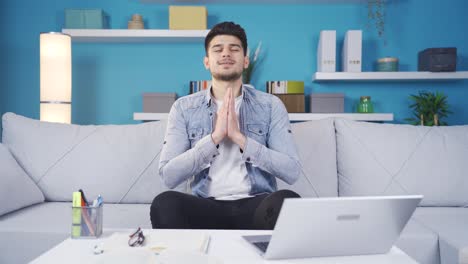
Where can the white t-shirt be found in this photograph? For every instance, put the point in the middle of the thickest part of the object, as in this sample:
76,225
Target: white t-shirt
228,174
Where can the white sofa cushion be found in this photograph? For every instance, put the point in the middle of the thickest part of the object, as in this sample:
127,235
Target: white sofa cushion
40,227
117,161
315,142
17,190
387,159
451,225
56,217
419,242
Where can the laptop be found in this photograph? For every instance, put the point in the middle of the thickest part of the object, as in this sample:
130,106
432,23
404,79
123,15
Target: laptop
339,226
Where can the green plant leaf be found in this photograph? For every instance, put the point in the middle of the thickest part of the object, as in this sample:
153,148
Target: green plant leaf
429,104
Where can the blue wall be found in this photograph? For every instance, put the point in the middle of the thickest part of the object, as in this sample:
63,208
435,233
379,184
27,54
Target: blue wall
109,78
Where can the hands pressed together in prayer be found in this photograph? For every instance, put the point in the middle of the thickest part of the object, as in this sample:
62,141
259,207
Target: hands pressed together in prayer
226,124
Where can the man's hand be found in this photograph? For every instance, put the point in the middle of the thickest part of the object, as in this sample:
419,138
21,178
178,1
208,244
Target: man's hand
233,131
221,126
226,122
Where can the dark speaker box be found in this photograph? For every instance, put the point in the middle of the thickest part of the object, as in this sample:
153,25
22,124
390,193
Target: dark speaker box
438,60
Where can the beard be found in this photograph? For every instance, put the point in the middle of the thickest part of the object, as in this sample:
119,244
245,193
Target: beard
228,77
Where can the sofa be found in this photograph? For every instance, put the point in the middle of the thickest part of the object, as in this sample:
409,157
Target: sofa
42,163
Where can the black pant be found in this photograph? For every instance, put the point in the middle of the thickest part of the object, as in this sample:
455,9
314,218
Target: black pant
184,211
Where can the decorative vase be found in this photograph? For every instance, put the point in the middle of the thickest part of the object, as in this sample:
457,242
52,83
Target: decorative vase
365,105
136,22
387,64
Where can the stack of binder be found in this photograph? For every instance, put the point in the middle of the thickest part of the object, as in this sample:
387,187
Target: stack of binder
326,51
352,51
291,93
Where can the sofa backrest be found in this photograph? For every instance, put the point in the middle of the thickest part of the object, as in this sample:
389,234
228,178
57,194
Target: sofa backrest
120,162
316,145
17,190
388,159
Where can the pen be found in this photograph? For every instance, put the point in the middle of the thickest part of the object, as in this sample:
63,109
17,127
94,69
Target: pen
83,197
86,216
99,200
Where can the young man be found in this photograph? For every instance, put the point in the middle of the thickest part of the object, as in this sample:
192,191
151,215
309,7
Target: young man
230,142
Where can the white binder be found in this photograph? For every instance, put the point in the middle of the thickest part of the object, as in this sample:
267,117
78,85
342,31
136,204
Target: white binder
326,51
352,51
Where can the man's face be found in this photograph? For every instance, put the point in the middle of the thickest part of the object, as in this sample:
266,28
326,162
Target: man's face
226,60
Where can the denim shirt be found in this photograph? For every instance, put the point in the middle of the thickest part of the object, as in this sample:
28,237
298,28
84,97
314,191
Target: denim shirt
269,152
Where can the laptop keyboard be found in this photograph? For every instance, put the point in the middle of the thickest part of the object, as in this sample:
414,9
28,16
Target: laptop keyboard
261,245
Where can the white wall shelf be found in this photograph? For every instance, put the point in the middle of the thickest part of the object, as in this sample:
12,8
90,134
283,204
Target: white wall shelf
136,35
251,1
388,76
292,117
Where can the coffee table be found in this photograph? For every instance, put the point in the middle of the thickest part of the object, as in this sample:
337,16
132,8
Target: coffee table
225,245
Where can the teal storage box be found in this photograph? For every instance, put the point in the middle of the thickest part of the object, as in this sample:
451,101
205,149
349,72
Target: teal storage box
85,18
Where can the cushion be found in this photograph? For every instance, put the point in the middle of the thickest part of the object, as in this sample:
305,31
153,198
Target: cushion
17,190
20,230
388,159
120,162
450,224
419,242
115,216
315,142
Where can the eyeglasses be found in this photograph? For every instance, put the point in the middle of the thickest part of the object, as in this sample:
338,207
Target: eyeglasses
137,238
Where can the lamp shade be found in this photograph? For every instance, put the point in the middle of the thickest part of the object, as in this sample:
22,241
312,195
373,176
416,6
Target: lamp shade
55,74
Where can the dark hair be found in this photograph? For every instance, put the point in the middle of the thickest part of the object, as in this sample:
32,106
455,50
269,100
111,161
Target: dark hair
227,28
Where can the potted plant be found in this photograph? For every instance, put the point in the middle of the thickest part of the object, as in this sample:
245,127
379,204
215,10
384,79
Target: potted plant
376,14
429,109
255,59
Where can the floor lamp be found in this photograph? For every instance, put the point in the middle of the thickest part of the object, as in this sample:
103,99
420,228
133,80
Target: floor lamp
55,74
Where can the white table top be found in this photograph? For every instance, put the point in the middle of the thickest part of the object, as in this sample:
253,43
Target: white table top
226,246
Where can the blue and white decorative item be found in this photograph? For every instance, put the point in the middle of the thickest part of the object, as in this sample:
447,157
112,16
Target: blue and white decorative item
387,64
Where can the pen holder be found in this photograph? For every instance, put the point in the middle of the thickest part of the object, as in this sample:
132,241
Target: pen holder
86,221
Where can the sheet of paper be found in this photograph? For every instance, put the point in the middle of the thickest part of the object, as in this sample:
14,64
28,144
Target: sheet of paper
160,248
157,242
126,256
